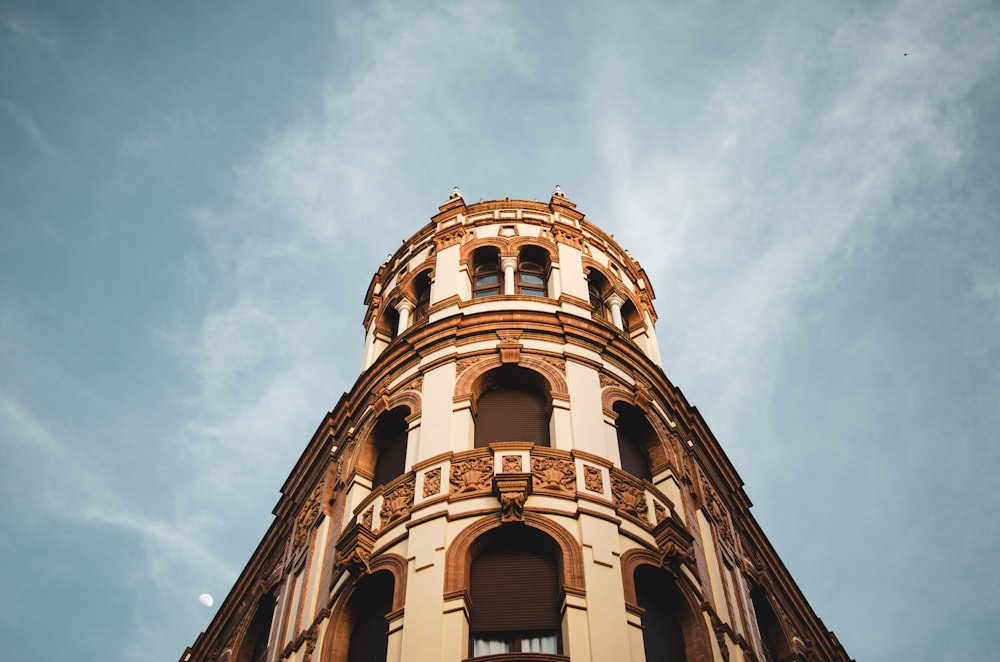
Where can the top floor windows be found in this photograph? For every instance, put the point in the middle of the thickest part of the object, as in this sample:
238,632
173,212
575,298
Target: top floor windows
486,278
532,272
422,289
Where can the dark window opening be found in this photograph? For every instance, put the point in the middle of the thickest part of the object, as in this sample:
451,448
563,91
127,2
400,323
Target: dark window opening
532,272
254,646
389,438
635,436
512,408
486,276
662,634
423,296
598,289
371,601
515,596
772,637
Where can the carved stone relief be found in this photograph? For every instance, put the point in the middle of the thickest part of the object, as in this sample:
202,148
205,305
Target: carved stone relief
629,498
659,511
592,479
463,364
432,482
512,464
368,517
512,490
471,475
396,504
308,516
553,473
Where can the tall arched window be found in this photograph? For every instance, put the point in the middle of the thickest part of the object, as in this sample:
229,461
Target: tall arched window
631,319
662,605
371,601
515,594
598,289
772,637
512,407
389,441
635,435
254,645
532,272
486,277
422,291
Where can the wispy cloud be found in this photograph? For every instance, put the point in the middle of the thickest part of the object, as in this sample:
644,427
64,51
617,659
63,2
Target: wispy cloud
26,123
75,490
797,155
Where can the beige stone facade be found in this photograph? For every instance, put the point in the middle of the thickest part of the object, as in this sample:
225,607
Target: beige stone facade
490,295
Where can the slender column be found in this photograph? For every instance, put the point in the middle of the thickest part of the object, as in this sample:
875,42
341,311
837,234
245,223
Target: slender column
615,302
404,307
509,265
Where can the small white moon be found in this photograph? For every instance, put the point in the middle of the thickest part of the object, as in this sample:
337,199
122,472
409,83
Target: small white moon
206,599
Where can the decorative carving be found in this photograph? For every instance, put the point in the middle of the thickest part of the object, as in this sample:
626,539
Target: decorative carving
396,504
449,238
415,384
659,512
432,482
307,517
607,380
592,479
558,364
512,490
675,543
720,637
354,549
463,364
629,498
553,473
510,351
471,475
367,517
512,464
717,512
311,637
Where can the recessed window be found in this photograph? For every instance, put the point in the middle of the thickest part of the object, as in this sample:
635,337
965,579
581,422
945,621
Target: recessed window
532,272
598,289
515,594
486,276
389,438
662,605
371,601
422,286
635,437
513,407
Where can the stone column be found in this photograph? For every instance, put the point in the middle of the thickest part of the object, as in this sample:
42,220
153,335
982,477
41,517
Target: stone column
615,302
404,307
509,266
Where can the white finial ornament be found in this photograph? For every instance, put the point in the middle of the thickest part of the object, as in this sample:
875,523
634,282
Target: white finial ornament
559,192
455,193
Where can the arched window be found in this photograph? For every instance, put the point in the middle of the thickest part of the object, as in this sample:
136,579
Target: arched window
635,435
772,637
515,594
422,290
598,289
631,319
371,601
663,607
486,277
389,442
532,272
513,407
254,645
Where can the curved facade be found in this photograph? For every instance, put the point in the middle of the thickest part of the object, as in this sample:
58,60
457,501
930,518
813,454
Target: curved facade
513,477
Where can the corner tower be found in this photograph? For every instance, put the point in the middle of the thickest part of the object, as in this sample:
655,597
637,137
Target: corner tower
513,478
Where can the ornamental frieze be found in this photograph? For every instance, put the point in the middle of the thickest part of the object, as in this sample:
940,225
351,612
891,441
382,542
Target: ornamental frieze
308,516
396,504
629,498
471,475
553,473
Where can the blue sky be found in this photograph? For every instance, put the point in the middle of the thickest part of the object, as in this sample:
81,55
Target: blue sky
194,196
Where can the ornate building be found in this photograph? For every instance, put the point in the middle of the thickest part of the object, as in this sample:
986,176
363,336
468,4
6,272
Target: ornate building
513,477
